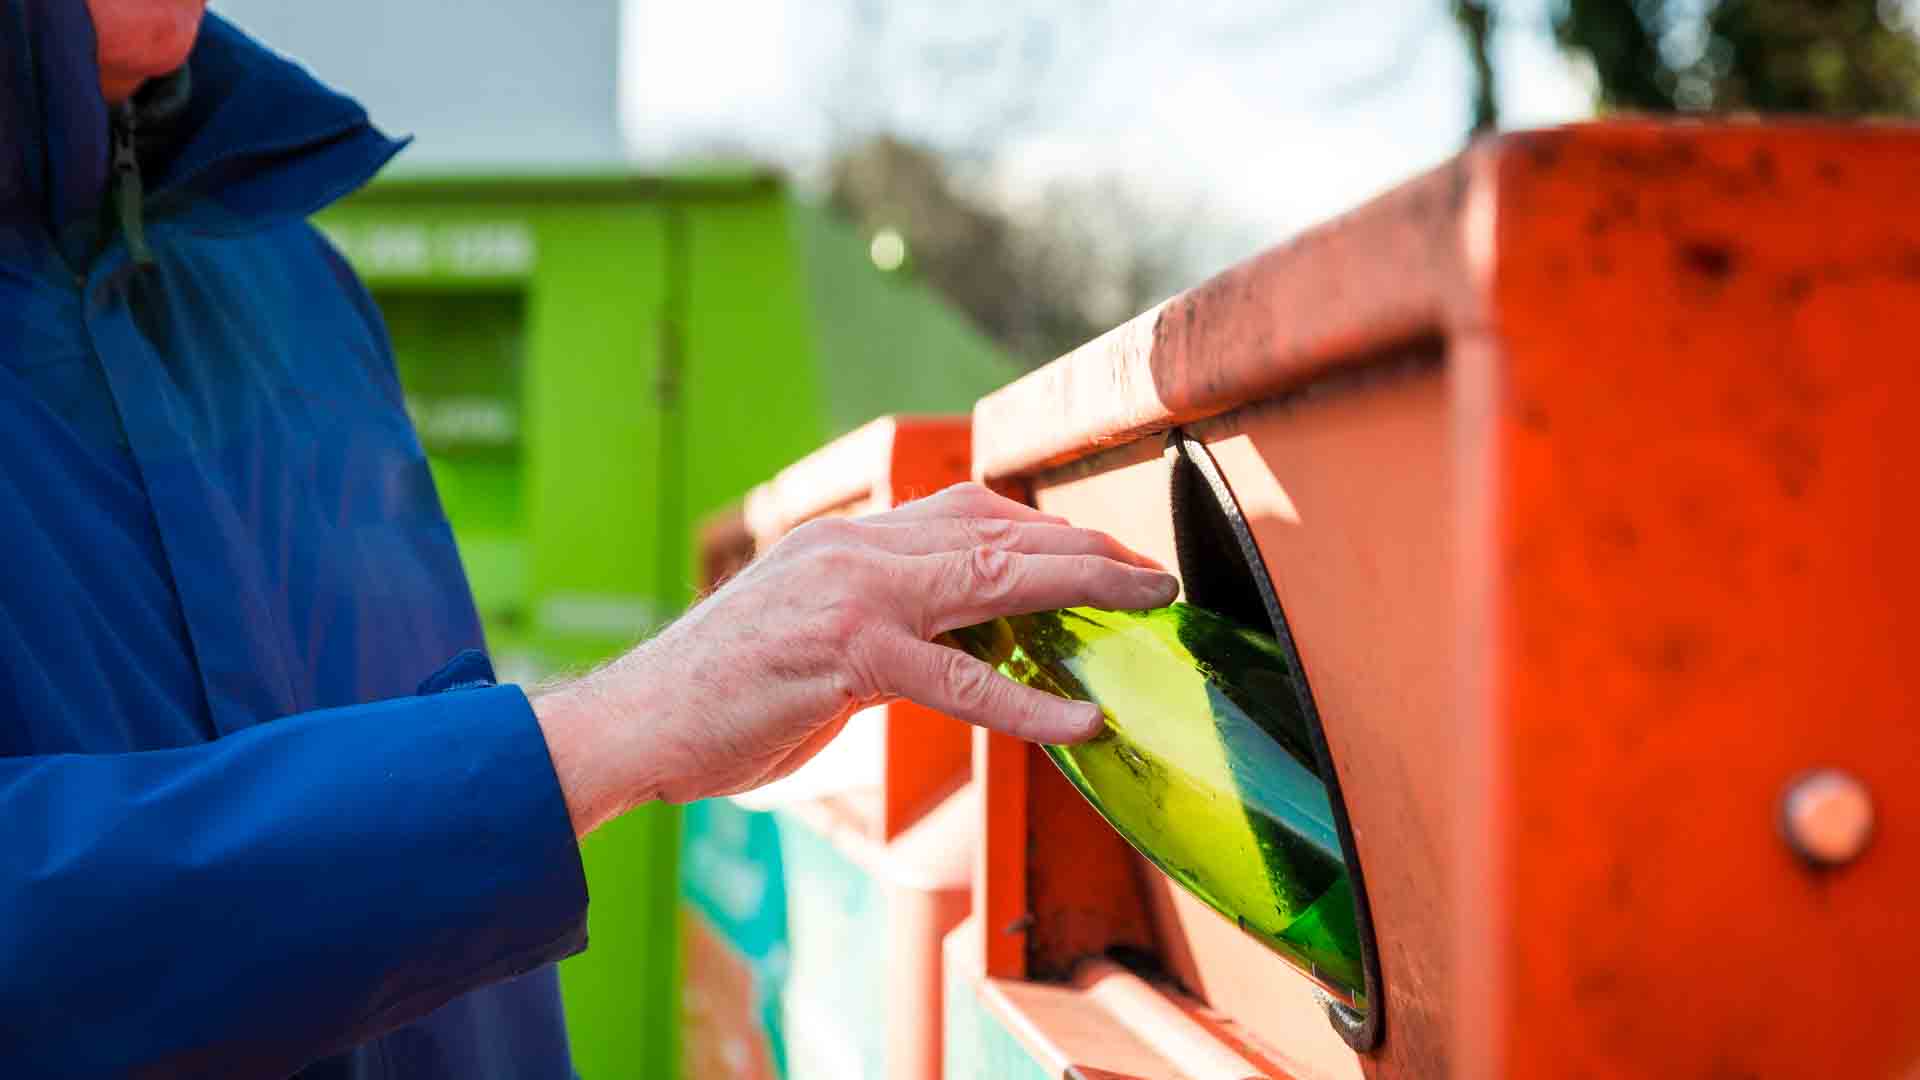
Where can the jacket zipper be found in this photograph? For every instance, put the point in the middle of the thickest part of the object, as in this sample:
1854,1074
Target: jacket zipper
128,191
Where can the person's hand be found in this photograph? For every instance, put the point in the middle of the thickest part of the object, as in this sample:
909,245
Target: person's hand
838,615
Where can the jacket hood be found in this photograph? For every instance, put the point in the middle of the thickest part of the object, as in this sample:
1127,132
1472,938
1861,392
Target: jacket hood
258,141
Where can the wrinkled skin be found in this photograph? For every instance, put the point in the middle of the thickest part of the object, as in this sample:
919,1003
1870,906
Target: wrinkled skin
835,617
141,39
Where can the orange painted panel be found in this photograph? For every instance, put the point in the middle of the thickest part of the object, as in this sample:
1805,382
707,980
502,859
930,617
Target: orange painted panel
1704,534
1582,465
1001,769
1371,612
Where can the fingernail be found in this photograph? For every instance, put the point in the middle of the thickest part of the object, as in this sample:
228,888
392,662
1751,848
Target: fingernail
1163,588
1092,721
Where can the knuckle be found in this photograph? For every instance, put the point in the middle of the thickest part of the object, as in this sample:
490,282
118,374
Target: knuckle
990,572
969,494
970,682
989,532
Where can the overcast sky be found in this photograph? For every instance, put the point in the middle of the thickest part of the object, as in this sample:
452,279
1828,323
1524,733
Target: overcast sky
1277,114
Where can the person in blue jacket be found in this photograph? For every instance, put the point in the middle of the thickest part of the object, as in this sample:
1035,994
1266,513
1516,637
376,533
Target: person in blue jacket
263,810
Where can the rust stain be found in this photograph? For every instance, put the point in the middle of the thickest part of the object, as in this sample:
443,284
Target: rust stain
1710,259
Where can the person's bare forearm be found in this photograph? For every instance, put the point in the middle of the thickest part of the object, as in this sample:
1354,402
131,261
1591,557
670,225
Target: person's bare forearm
758,676
579,733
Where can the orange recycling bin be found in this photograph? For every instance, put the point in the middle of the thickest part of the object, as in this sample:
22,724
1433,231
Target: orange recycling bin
1581,471
814,909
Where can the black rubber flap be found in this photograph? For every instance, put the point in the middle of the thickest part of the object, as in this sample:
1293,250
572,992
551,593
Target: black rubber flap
1223,571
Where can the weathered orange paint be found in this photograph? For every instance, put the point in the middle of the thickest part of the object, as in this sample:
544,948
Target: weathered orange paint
1582,466
1704,538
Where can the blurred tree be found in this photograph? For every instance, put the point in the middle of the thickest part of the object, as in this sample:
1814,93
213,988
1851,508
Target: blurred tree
1840,57
1042,265
1040,274
1625,55
1475,18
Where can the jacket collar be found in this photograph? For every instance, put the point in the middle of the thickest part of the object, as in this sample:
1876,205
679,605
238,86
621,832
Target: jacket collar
258,141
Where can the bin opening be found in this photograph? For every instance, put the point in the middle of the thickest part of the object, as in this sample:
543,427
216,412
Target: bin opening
1223,571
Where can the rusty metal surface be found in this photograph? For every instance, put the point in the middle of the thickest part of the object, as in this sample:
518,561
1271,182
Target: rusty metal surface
1701,543
1651,533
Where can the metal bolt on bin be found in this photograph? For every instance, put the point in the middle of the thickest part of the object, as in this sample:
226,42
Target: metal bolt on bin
1580,470
1828,816
864,861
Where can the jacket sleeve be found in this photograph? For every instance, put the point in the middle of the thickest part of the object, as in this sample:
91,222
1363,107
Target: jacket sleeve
245,906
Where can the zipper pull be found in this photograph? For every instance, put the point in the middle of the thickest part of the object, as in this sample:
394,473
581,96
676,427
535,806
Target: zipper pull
128,192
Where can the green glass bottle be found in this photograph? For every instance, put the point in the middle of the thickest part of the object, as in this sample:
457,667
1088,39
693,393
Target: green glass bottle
1206,766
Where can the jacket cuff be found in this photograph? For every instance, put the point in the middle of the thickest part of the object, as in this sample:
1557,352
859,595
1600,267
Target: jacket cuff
509,873
534,817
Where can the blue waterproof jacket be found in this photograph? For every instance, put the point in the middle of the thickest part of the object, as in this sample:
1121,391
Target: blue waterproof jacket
253,822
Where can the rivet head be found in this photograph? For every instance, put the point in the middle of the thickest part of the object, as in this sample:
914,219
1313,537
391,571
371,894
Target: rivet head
1828,817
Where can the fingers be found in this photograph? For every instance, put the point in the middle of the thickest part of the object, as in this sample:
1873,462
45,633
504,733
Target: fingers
960,588
954,683
936,535
966,500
